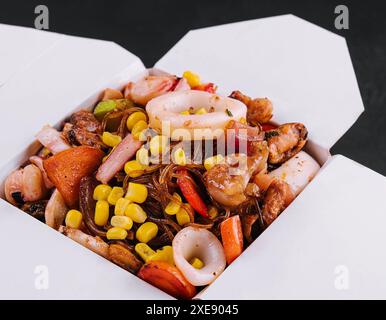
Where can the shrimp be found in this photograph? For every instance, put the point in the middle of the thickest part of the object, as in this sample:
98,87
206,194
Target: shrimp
227,183
95,244
124,258
38,161
277,198
52,139
285,141
259,109
56,210
144,90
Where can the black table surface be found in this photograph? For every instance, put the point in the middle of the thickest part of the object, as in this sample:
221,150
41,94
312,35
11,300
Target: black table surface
149,28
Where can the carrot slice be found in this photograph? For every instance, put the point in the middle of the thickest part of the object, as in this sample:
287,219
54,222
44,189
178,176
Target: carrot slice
65,170
167,278
232,238
190,193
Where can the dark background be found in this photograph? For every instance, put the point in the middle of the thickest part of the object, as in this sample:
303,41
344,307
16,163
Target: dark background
149,28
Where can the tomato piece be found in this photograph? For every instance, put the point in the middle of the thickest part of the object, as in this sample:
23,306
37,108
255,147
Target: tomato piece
208,87
190,193
65,170
268,126
232,238
167,278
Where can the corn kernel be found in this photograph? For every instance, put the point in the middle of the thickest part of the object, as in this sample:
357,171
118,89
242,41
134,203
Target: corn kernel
110,139
174,206
144,251
138,128
136,192
197,263
201,111
116,233
136,213
243,120
121,206
142,156
134,118
182,217
185,113
101,213
101,192
192,78
210,162
134,169
158,145
146,232
179,157
74,219
115,194
164,254
212,212
122,222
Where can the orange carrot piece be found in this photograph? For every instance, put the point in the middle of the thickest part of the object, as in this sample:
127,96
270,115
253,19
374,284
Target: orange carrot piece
232,238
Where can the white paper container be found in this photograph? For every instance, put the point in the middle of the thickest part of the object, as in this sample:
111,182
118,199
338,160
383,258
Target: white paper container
335,224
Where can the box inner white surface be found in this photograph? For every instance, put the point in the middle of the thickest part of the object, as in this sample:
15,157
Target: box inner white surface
282,58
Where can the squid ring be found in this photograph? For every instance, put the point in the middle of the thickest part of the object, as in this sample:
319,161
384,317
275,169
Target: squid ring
193,242
165,114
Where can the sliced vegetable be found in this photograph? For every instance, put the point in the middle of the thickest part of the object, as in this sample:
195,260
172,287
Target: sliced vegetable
167,278
122,153
208,87
190,193
67,168
232,238
104,107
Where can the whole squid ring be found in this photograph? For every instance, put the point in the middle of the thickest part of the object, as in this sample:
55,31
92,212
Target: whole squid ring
193,242
164,112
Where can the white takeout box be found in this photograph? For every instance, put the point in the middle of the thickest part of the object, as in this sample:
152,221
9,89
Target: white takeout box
327,244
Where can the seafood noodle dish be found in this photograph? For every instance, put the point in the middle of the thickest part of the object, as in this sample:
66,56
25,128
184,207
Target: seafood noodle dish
166,178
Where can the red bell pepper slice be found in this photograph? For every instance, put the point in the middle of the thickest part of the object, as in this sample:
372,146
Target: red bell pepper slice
190,193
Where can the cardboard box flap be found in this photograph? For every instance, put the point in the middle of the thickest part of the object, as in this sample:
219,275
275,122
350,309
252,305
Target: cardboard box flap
20,46
326,245
304,69
58,81
61,270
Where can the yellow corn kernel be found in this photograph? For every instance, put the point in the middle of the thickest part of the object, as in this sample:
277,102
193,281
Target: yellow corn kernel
136,213
110,139
197,263
243,120
174,206
120,206
146,232
122,222
138,128
179,157
45,152
101,192
163,254
144,251
134,169
116,233
158,145
134,118
201,111
115,194
212,212
185,113
74,219
210,162
142,156
101,213
182,217
136,192
192,78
